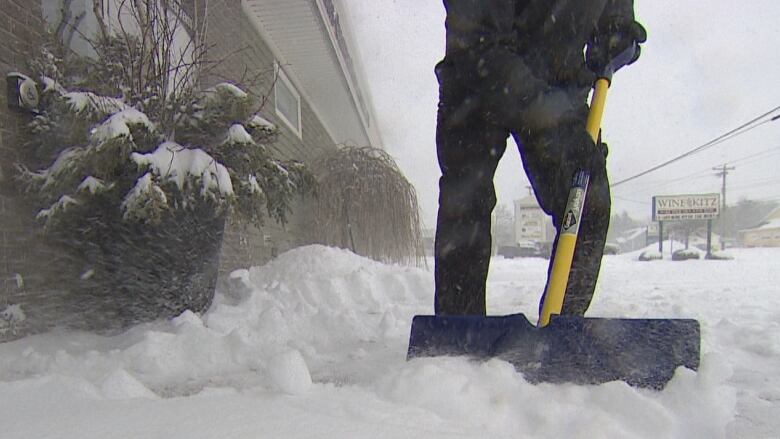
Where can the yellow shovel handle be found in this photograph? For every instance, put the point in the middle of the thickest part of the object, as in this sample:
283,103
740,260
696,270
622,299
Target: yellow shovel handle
597,102
564,252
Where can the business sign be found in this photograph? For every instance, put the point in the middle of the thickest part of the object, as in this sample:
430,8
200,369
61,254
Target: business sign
652,230
686,207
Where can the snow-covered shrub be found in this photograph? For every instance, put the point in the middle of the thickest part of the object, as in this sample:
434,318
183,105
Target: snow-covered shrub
112,151
650,255
720,256
137,185
685,255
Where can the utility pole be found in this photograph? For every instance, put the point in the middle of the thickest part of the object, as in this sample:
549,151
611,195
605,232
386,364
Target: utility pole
723,171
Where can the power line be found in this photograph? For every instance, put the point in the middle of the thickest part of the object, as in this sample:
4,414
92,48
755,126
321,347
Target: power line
704,173
770,151
646,203
748,126
763,183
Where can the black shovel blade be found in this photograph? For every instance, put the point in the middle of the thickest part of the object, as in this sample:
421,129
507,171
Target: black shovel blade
640,352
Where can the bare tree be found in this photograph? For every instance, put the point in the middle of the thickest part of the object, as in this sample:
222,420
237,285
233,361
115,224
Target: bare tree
162,52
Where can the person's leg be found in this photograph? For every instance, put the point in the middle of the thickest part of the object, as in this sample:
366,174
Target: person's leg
468,149
550,158
468,157
478,70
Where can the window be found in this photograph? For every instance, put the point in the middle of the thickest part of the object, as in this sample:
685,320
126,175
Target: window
287,101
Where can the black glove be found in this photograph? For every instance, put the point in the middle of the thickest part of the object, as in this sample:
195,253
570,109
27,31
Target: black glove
613,46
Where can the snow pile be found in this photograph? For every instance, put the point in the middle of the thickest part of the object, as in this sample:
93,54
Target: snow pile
289,372
313,345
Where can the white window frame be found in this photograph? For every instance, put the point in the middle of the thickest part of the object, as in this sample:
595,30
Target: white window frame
282,78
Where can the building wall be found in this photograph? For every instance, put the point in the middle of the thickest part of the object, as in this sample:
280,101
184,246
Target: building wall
532,224
21,28
29,269
243,58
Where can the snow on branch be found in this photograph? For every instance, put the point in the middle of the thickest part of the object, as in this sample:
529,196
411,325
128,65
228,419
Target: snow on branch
238,134
232,89
80,101
92,185
174,162
118,125
63,165
145,200
58,207
259,122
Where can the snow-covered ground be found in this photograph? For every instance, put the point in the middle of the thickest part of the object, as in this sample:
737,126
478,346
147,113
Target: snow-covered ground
313,345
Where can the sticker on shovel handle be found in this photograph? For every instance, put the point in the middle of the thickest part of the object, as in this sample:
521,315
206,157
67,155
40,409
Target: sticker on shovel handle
571,219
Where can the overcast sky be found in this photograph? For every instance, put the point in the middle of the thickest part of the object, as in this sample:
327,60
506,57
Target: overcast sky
707,67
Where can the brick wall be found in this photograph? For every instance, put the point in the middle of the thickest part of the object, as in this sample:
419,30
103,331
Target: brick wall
243,55
29,269
21,27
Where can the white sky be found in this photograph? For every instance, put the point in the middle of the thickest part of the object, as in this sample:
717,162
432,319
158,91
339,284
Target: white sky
707,68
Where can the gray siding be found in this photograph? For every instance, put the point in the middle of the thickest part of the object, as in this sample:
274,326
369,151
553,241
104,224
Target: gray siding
245,59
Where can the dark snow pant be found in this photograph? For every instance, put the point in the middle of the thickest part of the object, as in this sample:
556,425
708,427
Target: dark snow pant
468,156
474,122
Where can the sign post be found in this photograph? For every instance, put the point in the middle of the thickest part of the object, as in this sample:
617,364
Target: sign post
685,208
651,233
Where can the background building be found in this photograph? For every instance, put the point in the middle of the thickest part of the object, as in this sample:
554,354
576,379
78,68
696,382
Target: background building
767,234
532,225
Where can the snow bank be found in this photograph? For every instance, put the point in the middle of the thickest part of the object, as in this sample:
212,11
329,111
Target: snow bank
313,345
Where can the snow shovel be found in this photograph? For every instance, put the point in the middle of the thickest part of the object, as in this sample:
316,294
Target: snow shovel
563,348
